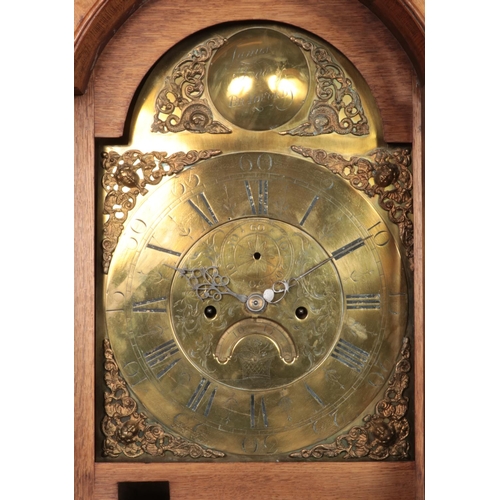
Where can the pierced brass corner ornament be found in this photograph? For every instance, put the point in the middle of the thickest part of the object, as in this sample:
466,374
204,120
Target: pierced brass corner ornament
338,108
126,176
128,432
182,93
383,172
385,433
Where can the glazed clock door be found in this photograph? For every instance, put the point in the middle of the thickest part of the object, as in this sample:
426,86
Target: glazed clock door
255,273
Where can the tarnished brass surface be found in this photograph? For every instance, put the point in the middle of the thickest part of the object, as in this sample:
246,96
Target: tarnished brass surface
338,107
182,94
259,80
384,434
255,83
128,431
255,302
126,176
258,219
256,252
256,351
383,172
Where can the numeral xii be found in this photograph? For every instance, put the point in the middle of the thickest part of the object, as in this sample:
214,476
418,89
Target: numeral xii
261,205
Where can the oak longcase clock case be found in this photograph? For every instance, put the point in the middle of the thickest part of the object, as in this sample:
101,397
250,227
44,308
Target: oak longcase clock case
251,322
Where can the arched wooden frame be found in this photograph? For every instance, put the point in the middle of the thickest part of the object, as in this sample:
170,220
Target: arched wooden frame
302,480
106,16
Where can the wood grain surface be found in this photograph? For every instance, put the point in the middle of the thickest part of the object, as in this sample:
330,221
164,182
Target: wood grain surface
84,294
418,168
283,481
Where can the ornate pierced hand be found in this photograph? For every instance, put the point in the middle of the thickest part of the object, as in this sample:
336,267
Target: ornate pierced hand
208,283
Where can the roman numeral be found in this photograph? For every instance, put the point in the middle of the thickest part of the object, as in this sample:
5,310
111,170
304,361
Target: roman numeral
143,306
315,396
351,356
309,210
209,218
363,301
198,394
262,200
253,411
165,250
350,247
160,354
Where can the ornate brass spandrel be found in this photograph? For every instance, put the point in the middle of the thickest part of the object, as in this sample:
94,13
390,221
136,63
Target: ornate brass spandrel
385,432
383,172
126,176
338,108
127,430
179,104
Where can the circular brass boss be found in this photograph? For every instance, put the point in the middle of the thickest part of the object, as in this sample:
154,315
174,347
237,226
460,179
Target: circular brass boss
259,80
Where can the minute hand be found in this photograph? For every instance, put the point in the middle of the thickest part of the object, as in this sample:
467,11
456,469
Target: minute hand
284,285
313,268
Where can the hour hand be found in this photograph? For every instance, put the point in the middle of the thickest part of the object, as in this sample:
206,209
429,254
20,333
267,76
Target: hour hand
208,283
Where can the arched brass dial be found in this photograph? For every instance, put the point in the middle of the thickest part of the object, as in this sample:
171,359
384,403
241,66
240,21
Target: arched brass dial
204,345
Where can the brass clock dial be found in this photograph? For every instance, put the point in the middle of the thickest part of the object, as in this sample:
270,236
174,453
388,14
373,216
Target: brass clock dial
256,304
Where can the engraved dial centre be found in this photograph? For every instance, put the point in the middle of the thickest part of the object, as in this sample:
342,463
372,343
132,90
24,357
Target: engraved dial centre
252,254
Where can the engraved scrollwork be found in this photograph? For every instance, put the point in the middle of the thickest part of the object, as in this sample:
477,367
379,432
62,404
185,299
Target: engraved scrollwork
338,107
179,104
128,432
382,172
126,176
384,434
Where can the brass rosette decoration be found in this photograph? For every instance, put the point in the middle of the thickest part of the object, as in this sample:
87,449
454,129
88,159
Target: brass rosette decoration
182,95
384,434
126,176
338,107
382,172
128,432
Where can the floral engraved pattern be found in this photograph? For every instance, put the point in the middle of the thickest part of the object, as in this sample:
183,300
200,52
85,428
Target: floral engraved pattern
385,432
338,107
126,176
128,432
383,172
179,104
